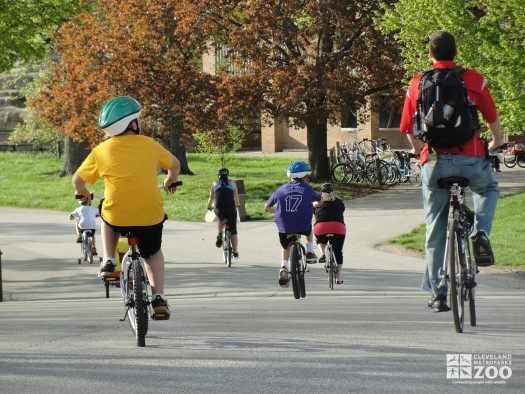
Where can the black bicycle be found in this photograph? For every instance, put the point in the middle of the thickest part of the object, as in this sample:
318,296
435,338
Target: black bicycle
297,266
331,263
459,268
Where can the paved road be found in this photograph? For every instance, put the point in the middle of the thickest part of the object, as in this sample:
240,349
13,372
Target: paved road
235,330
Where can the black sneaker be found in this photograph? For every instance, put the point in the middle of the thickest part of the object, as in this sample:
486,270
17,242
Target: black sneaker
235,255
438,302
482,250
106,269
218,243
160,305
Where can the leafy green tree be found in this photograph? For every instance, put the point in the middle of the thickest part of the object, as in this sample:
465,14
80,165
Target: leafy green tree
490,37
25,27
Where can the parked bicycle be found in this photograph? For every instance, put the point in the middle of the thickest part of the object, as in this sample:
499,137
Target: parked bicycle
514,154
459,268
297,266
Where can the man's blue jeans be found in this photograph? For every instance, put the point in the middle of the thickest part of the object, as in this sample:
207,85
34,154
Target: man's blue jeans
485,195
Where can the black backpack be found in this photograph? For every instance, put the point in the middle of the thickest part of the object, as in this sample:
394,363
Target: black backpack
445,116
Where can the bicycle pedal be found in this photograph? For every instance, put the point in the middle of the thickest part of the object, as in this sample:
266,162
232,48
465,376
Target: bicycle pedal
160,316
110,279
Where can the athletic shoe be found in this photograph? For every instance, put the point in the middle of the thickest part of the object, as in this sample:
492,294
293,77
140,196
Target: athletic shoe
79,239
284,279
311,258
218,243
339,282
94,251
322,259
106,269
235,255
482,250
160,305
438,302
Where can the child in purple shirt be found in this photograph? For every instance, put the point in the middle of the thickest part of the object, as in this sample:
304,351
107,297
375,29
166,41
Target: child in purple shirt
293,214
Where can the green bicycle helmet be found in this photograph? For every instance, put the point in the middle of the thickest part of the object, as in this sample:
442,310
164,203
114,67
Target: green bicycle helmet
117,114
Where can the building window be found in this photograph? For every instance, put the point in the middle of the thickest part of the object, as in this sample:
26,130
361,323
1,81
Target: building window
389,115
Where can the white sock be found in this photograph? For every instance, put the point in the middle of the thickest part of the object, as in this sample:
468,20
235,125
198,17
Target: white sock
157,294
112,259
309,247
284,263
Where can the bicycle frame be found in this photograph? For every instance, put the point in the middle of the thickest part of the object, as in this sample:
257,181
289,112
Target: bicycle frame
227,243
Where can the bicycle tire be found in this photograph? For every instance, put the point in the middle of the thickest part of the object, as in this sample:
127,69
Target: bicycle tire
508,162
226,248
387,174
472,307
302,266
139,307
83,248
520,159
294,269
342,173
453,261
330,263
90,250
414,173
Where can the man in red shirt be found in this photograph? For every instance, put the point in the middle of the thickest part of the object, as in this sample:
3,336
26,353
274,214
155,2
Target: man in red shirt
467,160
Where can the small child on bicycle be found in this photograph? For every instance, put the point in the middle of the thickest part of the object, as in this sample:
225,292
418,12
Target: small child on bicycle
225,199
85,217
293,214
329,219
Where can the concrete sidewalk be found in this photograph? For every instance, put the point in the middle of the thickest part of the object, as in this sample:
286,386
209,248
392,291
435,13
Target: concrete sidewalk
234,330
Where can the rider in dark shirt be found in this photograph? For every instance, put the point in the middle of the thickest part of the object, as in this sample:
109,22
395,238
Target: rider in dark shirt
225,199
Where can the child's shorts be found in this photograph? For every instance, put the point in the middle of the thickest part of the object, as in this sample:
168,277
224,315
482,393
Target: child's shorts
285,241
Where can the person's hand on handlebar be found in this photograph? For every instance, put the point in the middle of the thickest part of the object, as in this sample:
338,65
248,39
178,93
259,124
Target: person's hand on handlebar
170,186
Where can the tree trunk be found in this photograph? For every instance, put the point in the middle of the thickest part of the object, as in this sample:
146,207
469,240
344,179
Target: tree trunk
179,150
316,136
74,154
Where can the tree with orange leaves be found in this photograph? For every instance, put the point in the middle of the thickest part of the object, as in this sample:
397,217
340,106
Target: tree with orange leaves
127,48
304,60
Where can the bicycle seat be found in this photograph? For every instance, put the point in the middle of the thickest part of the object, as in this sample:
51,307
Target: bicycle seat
446,183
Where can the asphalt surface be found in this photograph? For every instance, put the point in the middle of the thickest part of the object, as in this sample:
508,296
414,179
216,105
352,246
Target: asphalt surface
234,330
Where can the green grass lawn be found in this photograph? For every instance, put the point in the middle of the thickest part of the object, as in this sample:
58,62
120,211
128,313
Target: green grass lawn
29,179
507,237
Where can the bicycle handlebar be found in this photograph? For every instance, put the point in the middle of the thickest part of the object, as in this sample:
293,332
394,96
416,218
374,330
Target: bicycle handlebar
174,184
93,195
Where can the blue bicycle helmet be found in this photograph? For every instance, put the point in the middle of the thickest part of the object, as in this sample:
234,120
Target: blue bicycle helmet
298,169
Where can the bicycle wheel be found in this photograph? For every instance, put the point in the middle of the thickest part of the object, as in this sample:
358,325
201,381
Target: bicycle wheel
295,269
227,248
302,266
90,250
372,170
509,160
342,173
472,306
387,174
137,302
520,159
414,174
456,289
331,265
84,248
